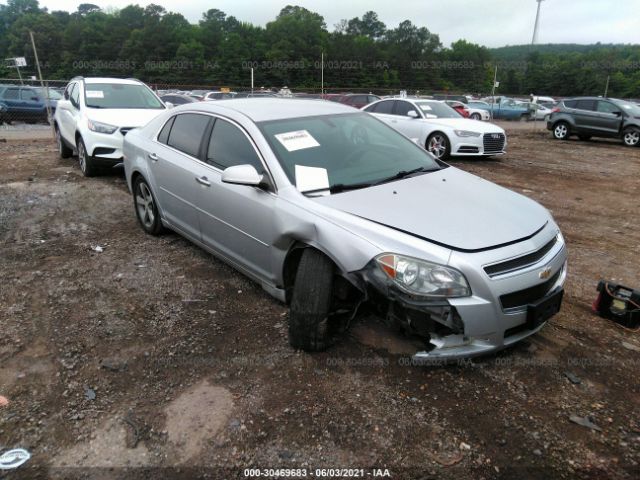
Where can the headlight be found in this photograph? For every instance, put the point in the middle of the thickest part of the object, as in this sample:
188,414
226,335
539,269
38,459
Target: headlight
100,127
423,278
466,133
560,238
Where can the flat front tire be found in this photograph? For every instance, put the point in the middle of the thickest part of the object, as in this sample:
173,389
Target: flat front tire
311,302
146,207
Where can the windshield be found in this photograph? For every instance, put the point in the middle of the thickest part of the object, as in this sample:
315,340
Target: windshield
630,108
342,150
53,95
118,95
437,110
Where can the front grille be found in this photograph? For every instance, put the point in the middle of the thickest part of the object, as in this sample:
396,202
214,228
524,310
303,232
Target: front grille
125,130
493,142
466,149
522,298
520,262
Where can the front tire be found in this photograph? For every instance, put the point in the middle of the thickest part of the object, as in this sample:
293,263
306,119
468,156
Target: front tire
476,116
146,207
86,162
561,131
63,150
631,137
439,146
311,302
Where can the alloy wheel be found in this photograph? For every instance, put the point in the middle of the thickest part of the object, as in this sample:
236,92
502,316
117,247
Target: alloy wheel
438,146
632,138
82,157
561,131
145,206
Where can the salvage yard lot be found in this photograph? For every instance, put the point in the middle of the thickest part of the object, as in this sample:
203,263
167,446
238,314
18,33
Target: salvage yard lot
153,354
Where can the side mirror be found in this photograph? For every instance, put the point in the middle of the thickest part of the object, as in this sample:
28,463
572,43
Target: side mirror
35,99
242,175
412,114
617,113
66,94
169,104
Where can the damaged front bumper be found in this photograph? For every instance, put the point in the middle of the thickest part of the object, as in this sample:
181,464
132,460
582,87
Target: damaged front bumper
460,328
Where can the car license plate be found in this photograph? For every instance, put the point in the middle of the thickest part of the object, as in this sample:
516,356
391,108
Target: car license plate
544,309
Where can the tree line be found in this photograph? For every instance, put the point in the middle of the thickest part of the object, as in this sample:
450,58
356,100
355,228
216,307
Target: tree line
361,53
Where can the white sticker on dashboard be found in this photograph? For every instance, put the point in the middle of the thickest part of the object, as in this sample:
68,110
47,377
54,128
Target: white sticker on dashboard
311,178
297,140
95,94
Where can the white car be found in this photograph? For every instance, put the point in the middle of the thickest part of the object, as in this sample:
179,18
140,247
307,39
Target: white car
95,115
437,127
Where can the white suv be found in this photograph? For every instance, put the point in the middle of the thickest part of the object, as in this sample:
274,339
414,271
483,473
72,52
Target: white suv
95,115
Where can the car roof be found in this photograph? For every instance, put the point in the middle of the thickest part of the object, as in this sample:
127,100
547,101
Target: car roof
263,109
123,81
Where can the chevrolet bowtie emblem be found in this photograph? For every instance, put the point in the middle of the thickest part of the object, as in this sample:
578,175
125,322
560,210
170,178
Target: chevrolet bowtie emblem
544,274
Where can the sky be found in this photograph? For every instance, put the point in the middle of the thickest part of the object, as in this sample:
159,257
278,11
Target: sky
492,23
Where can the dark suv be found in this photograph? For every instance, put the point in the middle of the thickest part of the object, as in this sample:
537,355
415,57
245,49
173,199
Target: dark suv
589,117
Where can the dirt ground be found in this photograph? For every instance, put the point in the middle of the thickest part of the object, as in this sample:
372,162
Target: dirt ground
152,359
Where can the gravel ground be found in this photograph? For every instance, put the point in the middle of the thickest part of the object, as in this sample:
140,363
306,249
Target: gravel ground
152,359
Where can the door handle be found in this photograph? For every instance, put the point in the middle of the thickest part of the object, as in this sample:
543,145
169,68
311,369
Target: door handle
154,157
203,181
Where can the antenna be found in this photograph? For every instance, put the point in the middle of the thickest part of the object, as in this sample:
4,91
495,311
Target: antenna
534,40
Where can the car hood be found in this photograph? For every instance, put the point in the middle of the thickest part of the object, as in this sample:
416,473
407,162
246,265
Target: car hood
464,124
124,117
450,208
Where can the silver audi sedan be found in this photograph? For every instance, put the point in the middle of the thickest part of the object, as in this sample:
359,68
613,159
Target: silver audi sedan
331,210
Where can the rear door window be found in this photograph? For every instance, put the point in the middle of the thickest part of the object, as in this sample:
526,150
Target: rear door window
570,103
28,94
586,105
11,93
187,132
163,136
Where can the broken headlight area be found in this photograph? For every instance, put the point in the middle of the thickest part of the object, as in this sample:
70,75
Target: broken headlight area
416,305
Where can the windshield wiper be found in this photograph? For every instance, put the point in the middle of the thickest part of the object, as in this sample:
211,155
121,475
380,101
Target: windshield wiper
339,187
405,173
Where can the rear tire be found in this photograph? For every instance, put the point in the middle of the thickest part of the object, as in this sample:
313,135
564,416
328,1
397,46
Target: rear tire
311,302
87,165
63,150
631,136
146,207
561,131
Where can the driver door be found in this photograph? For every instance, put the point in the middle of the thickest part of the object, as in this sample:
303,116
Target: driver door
237,220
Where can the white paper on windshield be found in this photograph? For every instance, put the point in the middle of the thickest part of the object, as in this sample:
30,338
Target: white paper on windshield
311,178
425,108
95,94
297,140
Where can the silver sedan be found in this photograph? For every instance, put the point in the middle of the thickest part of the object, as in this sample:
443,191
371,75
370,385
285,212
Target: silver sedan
329,208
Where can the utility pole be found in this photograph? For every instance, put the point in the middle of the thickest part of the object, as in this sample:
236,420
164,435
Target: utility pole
534,40
322,75
606,88
44,89
493,90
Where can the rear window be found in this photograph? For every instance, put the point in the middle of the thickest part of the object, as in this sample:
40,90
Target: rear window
187,132
570,103
586,105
